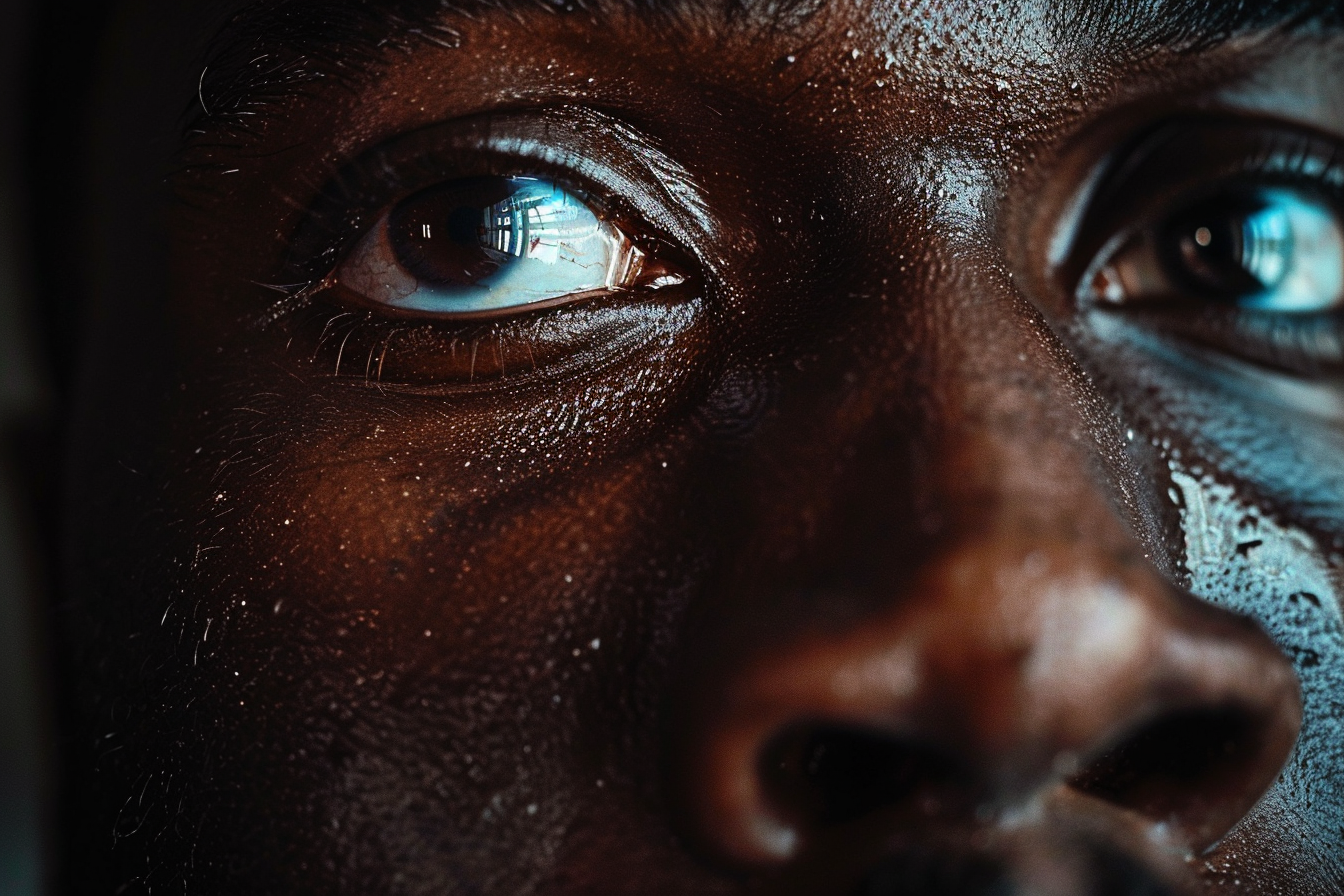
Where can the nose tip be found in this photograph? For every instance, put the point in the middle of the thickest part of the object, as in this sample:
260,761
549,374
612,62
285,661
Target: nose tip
985,690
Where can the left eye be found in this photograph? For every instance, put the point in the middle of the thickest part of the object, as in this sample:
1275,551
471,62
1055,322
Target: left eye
487,245
1274,249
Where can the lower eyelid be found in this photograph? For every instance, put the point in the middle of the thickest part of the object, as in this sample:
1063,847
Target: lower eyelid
370,348
1310,346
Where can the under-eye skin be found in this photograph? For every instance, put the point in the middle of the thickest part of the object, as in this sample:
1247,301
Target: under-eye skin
1226,233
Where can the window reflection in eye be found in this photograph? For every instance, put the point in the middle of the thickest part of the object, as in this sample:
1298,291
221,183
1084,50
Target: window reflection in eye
489,245
1268,249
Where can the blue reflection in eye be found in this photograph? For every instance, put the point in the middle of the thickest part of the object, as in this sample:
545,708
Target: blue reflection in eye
486,244
1268,249
1273,250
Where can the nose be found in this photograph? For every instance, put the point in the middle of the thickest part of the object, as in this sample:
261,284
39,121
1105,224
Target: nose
1013,673
1024,675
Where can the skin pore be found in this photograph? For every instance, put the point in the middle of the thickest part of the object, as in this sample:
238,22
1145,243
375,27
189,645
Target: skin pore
853,549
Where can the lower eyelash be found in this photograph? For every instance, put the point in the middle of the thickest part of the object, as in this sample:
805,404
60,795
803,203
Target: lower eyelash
294,297
358,345
362,346
1309,345
1302,345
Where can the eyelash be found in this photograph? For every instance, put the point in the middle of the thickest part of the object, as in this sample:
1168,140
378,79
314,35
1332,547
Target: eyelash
1262,154
373,336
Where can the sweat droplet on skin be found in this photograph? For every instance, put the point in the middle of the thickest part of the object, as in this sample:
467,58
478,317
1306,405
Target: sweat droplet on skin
1242,559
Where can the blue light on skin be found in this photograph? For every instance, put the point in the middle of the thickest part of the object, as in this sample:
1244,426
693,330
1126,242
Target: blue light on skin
549,246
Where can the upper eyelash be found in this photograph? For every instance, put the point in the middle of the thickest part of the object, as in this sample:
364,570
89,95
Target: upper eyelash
1279,151
1291,154
373,183
342,235
617,179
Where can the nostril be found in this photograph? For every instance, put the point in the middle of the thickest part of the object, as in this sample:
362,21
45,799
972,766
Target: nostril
1199,768
936,873
1116,874
824,775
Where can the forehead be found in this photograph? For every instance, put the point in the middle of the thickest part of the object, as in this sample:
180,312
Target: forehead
1131,23
233,56
1039,32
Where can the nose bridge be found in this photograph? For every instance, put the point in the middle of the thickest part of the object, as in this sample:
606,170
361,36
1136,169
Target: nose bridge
1019,439
979,423
959,470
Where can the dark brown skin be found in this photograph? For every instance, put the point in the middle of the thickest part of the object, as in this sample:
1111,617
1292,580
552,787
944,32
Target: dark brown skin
590,612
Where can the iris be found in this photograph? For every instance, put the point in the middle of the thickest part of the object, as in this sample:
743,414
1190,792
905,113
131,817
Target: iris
1266,248
1273,250
485,245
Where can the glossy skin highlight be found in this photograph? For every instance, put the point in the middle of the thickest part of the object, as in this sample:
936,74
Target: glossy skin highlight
561,603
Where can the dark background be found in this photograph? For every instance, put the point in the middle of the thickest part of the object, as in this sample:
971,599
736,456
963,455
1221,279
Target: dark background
38,89
26,403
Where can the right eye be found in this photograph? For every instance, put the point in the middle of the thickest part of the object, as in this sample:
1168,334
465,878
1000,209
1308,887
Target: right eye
1226,234
1272,249
483,246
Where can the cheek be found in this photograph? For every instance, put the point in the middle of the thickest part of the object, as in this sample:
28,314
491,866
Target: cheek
480,656
1252,479
1241,558
514,585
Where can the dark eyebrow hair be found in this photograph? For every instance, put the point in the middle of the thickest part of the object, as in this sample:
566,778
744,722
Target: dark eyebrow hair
271,48
1188,25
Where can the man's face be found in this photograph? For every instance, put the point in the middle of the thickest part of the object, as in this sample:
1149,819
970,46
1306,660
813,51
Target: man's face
695,448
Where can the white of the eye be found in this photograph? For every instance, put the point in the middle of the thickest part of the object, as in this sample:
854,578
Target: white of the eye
570,252
1303,256
372,270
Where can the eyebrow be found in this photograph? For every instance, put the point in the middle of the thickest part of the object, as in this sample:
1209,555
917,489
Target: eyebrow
1187,25
269,49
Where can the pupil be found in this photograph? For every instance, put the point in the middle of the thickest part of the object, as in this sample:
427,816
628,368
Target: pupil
463,226
460,233
1231,248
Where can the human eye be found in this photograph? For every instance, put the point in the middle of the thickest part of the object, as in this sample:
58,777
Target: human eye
489,247
1228,235
492,245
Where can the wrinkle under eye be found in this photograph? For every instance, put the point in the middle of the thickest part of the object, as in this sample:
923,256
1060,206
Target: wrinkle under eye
489,244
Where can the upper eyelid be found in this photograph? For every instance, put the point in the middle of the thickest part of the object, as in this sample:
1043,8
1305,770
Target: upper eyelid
695,221
591,149
1114,174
